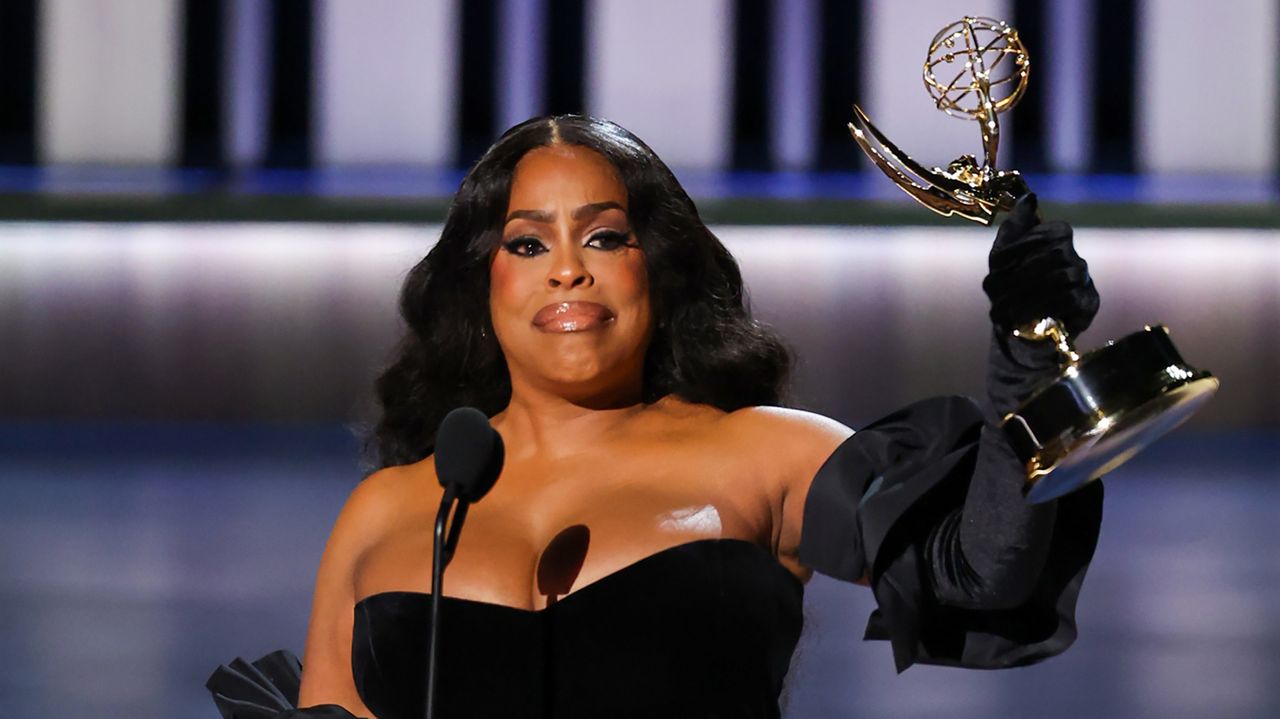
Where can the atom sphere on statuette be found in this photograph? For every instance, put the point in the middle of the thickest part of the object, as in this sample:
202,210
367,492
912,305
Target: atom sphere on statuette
972,57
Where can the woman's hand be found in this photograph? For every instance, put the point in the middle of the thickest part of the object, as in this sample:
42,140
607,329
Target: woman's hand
1036,273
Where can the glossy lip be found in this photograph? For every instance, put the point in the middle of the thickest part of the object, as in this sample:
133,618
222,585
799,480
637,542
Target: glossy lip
575,316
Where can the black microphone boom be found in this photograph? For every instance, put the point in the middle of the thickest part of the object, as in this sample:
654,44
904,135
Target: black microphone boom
468,458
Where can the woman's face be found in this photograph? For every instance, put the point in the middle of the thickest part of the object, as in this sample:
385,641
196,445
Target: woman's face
569,292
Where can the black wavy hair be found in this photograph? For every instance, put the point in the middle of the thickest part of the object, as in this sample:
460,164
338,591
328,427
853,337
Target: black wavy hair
705,348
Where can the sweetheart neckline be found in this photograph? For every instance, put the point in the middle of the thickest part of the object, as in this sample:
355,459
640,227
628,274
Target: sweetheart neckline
645,560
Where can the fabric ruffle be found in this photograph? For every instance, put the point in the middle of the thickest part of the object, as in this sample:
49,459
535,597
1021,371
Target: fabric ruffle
265,689
869,513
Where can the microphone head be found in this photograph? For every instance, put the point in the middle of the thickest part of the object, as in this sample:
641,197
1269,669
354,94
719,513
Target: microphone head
469,453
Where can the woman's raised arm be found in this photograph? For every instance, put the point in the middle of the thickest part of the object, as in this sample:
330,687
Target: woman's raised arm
926,504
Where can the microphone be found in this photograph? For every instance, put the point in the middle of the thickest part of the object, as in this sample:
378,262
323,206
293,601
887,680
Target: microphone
468,459
469,454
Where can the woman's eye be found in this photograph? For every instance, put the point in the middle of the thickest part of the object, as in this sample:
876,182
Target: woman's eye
610,240
525,246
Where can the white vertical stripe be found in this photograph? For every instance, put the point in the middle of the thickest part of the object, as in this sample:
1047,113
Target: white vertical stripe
663,69
384,84
1069,80
521,55
247,65
794,87
1207,87
109,81
898,35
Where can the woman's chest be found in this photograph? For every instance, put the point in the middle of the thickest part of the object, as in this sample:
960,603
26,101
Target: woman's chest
549,529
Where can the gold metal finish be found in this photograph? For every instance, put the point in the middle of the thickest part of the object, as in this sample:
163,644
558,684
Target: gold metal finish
1102,407
1059,453
976,68
1052,330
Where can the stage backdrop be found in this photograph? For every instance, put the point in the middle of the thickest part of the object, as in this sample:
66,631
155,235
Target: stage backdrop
1121,85
291,322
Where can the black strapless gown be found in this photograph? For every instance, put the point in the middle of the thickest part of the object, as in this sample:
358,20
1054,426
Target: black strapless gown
702,629
707,628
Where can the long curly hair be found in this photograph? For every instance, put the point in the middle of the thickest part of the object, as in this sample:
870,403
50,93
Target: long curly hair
705,348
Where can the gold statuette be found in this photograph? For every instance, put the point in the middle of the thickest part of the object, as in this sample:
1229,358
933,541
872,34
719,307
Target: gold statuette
977,68
1103,406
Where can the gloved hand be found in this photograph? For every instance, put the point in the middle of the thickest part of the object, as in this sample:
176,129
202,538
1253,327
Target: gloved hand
1034,272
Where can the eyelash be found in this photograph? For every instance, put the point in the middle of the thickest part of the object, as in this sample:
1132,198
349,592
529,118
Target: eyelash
613,240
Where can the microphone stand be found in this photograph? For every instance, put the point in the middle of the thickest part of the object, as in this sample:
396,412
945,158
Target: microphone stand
442,547
467,472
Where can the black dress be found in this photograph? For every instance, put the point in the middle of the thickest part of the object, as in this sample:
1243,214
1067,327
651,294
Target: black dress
707,628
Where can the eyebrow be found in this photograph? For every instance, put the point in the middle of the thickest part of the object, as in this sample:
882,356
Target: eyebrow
590,209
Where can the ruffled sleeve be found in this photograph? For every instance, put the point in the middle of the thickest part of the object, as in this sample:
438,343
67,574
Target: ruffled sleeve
265,689
869,514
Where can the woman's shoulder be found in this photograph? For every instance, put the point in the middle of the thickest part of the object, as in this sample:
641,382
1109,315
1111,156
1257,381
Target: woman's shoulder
789,443
794,432
384,486
795,424
384,497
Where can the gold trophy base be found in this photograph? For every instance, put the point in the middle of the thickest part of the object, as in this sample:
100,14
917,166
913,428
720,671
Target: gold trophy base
1102,409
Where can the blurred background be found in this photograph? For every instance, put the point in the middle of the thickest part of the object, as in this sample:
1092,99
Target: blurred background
207,207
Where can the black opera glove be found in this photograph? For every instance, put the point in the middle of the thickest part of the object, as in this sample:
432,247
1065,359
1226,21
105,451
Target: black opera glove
1034,273
992,552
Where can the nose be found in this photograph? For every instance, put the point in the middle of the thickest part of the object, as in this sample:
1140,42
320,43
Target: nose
569,271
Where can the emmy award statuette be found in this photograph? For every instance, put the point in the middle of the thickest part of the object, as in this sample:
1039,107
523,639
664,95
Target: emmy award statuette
1103,406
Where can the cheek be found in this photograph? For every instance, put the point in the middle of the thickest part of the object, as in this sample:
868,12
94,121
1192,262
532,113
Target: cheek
641,288
631,284
506,286
632,277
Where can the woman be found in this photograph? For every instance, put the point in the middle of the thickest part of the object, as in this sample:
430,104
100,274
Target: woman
644,551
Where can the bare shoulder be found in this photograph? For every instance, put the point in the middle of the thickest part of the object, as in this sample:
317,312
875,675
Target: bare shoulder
785,443
378,500
789,446
794,433
786,447
377,493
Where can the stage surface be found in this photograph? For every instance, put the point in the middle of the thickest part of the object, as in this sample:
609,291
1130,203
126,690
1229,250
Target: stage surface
135,558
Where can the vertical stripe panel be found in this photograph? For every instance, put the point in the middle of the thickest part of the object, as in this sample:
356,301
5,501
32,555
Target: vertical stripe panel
1069,81
386,92
1207,87
566,66
842,36
247,68
793,104
898,35
673,93
18,25
566,24
1115,47
752,75
289,124
477,78
1028,118
202,95
108,81
521,59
